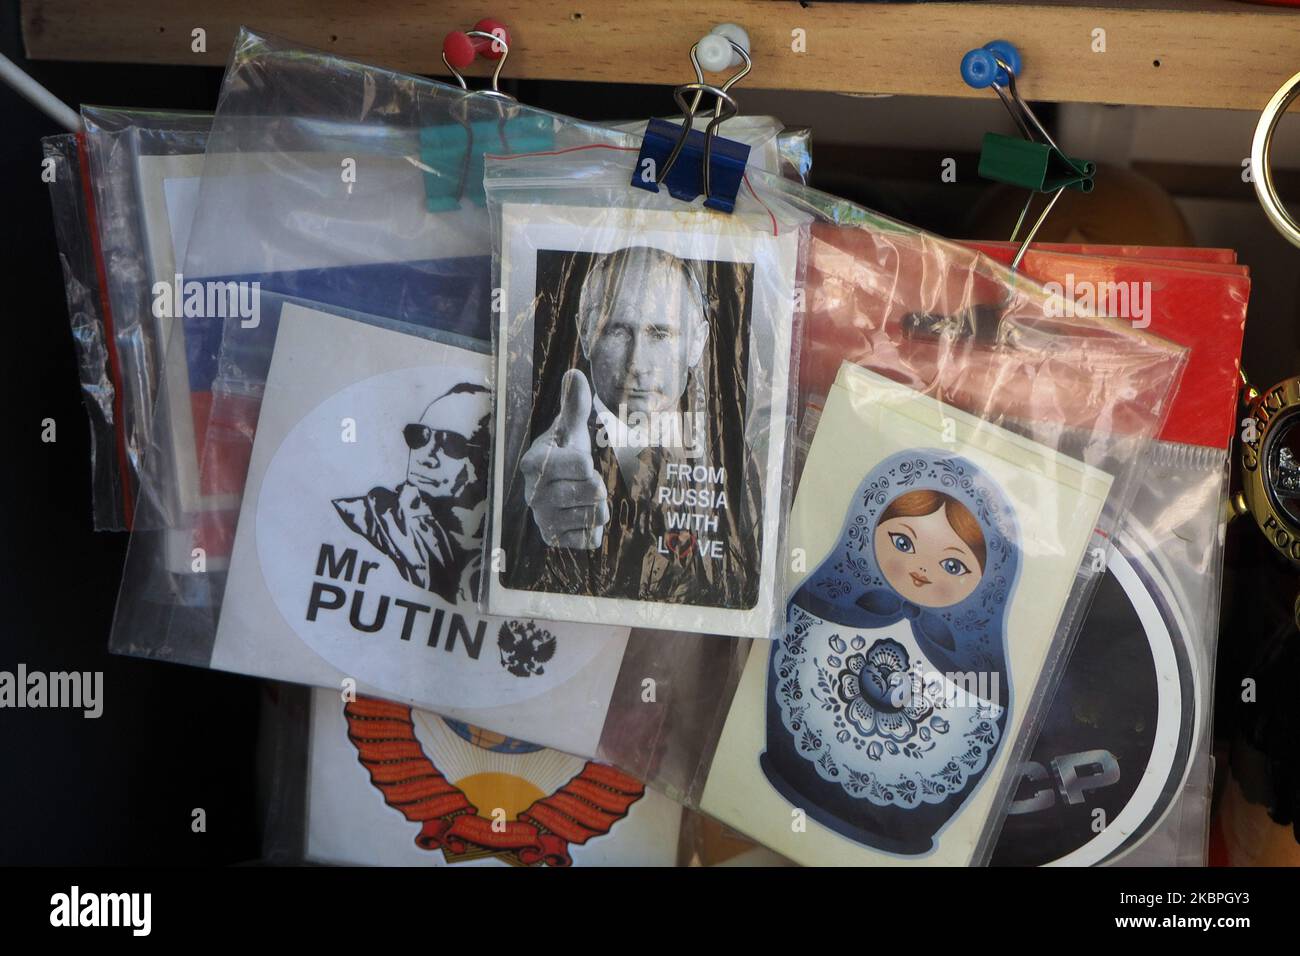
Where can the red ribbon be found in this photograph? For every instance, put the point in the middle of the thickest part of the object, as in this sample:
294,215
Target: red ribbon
585,807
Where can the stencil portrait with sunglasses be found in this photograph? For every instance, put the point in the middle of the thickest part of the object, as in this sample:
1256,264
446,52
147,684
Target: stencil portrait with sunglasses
430,525
359,548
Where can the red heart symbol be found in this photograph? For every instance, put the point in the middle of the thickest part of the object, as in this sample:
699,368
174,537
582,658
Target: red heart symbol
680,543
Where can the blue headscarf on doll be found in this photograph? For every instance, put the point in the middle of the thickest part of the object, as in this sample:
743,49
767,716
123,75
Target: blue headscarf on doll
851,588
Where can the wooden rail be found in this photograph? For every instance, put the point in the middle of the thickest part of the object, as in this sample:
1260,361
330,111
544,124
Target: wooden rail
1205,53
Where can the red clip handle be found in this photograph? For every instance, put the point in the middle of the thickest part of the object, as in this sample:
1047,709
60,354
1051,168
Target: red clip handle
460,48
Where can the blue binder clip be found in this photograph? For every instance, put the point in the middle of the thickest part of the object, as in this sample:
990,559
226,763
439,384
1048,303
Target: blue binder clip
714,167
716,177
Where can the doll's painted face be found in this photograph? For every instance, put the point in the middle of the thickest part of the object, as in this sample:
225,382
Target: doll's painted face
930,548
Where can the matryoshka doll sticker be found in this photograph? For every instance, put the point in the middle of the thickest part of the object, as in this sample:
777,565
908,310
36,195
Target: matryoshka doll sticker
933,557
889,688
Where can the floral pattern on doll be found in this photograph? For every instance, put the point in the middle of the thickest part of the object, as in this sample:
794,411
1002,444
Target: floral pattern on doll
924,721
884,693
929,546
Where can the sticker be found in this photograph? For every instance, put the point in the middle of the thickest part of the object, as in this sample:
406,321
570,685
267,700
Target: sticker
358,554
890,682
477,794
931,578
642,424
390,785
372,547
1115,745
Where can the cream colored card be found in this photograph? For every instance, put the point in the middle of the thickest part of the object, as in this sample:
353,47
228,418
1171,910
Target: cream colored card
933,555
169,188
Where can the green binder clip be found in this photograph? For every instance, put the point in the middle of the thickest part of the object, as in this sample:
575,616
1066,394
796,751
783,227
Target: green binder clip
1038,167
451,155
1035,162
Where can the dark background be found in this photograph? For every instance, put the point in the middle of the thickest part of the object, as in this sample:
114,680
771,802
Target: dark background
121,789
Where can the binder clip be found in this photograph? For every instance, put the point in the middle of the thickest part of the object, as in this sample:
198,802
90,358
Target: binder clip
461,147
981,324
714,167
1035,162
451,156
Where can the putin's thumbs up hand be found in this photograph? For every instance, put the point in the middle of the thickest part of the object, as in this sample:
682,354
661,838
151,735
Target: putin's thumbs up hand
569,501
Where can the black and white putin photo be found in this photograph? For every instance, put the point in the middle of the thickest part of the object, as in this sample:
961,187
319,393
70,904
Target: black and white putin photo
634,480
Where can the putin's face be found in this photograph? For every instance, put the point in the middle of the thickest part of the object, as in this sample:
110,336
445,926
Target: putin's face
649,334
444,461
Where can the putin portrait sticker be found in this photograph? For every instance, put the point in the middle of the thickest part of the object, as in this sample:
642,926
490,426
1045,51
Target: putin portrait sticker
360,541
645,359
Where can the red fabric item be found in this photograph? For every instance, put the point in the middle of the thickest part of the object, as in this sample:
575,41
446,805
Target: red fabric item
214,532
1202,307
200,412
227,443
1169,253
864,285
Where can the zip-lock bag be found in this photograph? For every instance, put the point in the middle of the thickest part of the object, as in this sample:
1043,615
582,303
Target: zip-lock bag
1005,436
381,278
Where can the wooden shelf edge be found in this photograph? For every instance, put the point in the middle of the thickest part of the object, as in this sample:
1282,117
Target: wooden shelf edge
1214,55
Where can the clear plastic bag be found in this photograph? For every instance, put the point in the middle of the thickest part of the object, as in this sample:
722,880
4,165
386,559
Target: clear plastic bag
1173,540
142,167
74,233
1120,771
1120,768
459,794
128,166
1047,413
645,360
343,194
373,783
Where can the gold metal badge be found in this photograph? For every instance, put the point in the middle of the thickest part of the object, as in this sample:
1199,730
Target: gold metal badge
1270,465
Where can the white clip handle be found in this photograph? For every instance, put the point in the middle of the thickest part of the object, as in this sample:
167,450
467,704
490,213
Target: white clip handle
715,52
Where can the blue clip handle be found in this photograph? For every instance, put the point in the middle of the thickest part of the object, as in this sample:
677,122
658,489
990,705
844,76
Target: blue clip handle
685,181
